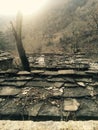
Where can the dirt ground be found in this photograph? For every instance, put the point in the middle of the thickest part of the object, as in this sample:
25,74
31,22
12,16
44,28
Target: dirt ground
50,125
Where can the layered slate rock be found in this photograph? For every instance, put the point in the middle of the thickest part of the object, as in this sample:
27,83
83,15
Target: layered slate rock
57,90
66,72
14,83
71,105
11,107
6,60
33,110
9,91
50,110
89,108
38,84
23,73
76,92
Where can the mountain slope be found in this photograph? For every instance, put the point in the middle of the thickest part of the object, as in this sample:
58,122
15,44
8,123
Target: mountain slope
59,21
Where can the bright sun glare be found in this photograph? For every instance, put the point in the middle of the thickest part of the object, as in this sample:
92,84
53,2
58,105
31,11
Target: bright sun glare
10,7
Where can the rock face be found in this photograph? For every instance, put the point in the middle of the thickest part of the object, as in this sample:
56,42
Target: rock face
53,92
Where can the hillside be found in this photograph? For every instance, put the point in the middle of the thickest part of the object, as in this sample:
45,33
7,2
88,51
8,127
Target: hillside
58,22
61,26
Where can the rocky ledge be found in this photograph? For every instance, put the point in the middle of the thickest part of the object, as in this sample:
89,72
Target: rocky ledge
67,92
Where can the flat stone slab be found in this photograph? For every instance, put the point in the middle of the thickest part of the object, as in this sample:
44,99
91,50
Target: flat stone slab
69,80
94,84
23,78
20,78
85,80
81,66
9,91
1,80
81,73
34,109
56,92
23,73
2,72
70,85
39,79
39,84
71,105
37,71
11,108
49,110
88,108
78,66
57,85
92,72
50,73
81,84
35,66
76,92
55,79
66,72
10,79
13,83
12,71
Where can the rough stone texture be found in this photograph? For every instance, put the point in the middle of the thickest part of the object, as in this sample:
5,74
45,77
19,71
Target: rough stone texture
38,84
23,73
11,108
92,72
71,105
57,85
56,80
56,92
76,92
17,83
23,78
88,107
70,85
81,84
43,94
85,80
50,125
49,110
66,72
9,91
37,71
5,60
34,109
50,73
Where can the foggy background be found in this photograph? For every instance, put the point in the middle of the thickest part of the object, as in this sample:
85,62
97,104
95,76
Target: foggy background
59,27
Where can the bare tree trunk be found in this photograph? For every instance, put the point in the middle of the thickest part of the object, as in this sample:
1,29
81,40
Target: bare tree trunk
17,33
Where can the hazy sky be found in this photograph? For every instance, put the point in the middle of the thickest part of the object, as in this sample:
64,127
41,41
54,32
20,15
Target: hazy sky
8,7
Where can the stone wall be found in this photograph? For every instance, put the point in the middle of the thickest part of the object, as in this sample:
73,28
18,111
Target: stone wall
61,92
